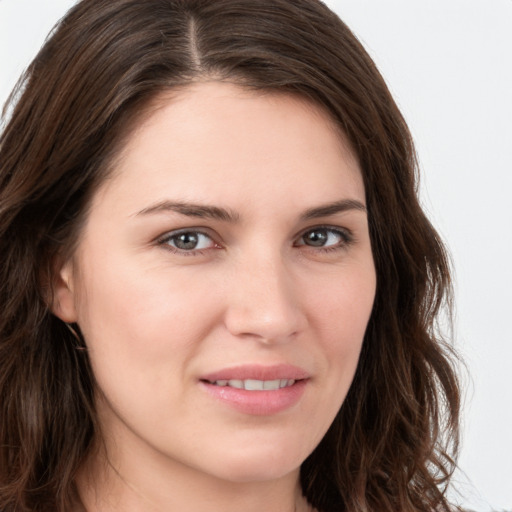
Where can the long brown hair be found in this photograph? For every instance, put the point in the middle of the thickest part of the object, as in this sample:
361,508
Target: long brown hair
392,445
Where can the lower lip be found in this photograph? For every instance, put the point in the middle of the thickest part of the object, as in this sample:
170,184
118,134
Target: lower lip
258,403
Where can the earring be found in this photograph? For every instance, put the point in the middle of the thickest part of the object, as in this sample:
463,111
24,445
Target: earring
80,342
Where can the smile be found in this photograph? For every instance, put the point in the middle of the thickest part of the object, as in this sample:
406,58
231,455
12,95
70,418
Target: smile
255,385
257,390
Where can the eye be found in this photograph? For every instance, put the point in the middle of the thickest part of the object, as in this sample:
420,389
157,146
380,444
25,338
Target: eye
325,238
187,241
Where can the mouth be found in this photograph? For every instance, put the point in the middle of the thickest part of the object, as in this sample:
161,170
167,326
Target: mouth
254,384
256,389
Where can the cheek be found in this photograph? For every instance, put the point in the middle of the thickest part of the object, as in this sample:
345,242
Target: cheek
344,303
341,314
338,316
144,319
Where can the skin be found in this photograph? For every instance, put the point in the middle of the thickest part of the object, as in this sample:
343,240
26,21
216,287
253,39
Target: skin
257,291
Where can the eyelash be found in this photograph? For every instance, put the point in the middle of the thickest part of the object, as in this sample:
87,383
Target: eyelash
346,239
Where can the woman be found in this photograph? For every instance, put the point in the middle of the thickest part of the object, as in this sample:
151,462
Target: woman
218,289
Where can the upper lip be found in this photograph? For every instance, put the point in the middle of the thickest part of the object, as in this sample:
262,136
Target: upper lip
257,372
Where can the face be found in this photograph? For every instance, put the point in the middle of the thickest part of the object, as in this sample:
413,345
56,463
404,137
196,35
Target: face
228,252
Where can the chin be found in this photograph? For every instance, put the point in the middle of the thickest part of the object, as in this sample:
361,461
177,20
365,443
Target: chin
246,473
259,463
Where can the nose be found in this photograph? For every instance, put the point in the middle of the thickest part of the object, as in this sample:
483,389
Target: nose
264,302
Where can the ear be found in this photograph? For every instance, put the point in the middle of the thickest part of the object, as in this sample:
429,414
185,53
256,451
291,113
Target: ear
63,293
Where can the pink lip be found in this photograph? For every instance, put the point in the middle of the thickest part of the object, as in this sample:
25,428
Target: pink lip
258,403
258,372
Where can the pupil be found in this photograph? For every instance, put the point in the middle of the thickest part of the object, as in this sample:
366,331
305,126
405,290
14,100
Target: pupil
316,238
186,241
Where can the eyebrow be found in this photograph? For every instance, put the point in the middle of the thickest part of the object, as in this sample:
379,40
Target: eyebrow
192,210
223,214
333,208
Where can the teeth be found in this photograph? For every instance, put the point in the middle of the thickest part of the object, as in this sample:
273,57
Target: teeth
256,385
271,384
239,384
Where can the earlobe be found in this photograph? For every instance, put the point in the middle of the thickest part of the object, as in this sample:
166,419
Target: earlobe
63,294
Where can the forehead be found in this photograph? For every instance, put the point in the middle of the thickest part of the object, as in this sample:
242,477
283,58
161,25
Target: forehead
215,140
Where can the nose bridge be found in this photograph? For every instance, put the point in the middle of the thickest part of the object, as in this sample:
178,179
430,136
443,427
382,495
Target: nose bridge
263,300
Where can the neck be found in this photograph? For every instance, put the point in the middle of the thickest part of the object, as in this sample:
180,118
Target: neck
112,485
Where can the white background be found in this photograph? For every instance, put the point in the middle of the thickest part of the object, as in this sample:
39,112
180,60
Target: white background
449,66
